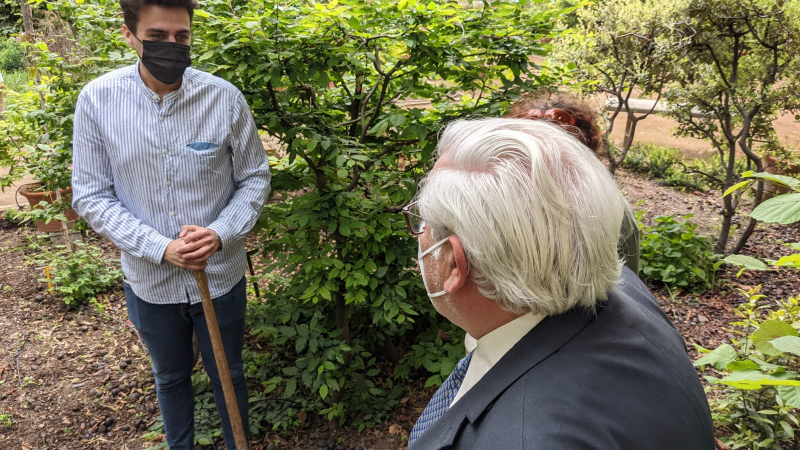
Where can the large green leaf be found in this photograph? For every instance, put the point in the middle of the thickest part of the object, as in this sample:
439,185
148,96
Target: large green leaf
754,379
748,262
789,261
769,331
790,395
783,209
780,179
720,357
787,344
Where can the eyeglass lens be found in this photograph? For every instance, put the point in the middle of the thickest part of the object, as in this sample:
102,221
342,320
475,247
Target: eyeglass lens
415,220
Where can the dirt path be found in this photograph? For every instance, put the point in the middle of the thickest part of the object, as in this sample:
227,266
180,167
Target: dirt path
81,379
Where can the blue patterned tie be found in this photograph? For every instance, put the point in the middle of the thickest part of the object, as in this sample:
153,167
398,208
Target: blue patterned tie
441,400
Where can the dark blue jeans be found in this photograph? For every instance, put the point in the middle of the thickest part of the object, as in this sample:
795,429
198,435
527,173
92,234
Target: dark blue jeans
167,332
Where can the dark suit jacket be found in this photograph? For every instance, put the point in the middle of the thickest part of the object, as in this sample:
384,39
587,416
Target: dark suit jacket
619,378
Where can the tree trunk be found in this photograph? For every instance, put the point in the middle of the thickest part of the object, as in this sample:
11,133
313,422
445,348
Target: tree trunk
724,233
729,210
746,147
753,222
341,317
27,23
627,143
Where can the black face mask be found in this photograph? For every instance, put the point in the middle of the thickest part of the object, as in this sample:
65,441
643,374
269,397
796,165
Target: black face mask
166,61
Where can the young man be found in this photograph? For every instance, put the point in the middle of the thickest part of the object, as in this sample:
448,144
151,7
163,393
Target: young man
518,225
169,166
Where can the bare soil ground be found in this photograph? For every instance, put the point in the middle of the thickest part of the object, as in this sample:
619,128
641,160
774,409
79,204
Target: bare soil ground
82,379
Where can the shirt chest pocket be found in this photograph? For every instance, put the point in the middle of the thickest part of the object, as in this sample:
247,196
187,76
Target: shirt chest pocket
206,158
202,148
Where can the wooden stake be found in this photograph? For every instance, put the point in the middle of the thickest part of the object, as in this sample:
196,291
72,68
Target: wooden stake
234,417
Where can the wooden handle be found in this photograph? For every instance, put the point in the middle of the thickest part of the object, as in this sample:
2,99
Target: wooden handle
234,417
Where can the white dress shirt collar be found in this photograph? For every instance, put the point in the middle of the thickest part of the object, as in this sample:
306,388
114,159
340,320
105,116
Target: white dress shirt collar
493,346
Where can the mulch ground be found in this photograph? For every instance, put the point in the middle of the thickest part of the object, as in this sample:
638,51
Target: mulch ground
75,379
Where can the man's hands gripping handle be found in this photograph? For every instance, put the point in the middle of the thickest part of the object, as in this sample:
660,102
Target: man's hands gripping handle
192,248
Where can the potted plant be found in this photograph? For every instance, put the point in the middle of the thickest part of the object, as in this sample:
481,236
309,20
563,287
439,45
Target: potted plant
49,197
37,124
779,160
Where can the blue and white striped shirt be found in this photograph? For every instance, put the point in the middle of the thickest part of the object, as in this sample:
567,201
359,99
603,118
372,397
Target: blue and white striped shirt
141,171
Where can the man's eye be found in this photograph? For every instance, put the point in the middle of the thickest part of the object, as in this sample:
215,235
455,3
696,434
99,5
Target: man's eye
156,37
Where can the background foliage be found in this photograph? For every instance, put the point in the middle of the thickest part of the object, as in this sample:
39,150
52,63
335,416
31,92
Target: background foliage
352,95
674,255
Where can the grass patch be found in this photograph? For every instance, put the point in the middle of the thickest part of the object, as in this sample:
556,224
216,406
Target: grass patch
16,80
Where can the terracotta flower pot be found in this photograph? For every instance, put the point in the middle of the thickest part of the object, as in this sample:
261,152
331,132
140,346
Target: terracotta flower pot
771,166
34,198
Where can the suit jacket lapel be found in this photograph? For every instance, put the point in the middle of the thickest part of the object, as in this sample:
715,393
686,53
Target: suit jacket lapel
542,341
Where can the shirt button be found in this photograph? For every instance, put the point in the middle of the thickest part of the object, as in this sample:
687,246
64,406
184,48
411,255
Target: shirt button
161,118
169,183
165,151
155,97
172,214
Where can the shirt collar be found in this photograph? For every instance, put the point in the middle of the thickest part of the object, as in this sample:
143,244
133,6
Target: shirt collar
152,95
491,347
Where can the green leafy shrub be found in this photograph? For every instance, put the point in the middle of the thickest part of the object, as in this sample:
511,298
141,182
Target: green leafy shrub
78,276
667,164
673,254
437,351
661,161
15,217
759,381
11,55
353,94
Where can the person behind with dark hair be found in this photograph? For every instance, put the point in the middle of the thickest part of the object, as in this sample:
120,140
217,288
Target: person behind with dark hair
169,166
579,119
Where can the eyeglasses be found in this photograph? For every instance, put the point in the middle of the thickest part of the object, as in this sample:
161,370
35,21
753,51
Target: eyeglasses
414,222
552,115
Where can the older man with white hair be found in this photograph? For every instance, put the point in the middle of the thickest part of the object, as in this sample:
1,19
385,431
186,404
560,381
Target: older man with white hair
518,225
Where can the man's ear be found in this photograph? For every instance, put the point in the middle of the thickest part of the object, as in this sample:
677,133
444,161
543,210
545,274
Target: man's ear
126,32
459,268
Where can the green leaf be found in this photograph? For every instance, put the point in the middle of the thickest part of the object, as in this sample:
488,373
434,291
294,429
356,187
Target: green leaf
735,188
754,379
291,387
748,262
790,395
780,179
323,391
769,331
786,427
742,365
719,358
789,261
300,344
325,293
787,344
783,209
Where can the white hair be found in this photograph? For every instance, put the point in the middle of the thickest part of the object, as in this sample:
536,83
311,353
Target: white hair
537,213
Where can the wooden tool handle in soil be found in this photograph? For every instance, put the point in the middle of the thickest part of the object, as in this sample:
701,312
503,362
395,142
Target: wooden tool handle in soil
224,372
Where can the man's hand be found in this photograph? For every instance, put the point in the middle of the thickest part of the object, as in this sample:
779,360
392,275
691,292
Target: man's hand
193,248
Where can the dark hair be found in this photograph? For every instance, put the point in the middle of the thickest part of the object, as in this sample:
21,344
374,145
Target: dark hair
131,8
586,129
